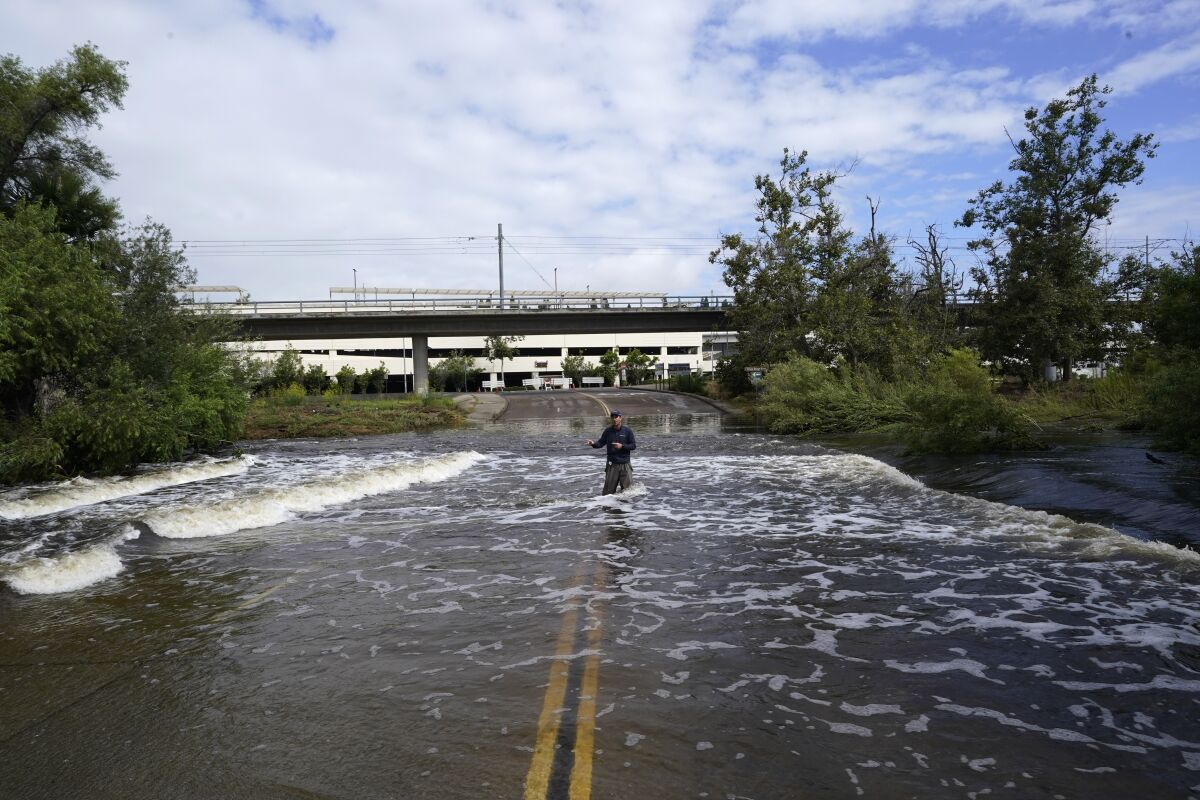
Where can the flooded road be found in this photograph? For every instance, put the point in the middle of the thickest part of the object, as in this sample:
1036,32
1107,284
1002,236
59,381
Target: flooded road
460,615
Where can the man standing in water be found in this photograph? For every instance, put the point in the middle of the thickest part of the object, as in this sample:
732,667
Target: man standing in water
620,441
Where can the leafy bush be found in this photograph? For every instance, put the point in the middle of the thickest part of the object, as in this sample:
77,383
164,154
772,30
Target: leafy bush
288,396
1120,391
29,456
1170,407
732,378
694,383
438,375
803,396
955,410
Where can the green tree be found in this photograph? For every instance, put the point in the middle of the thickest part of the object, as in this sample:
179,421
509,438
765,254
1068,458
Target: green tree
459,369
638,366
500,348
346,377
287,369
377,378
1043,291
609,366
860,312
315,379
100,367
776,276
57,311
574,367
1172,301
43,155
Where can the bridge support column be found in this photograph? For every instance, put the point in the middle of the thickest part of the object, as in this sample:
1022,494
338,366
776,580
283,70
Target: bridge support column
420,359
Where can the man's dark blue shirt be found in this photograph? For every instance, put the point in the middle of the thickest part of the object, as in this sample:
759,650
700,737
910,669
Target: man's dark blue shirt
612,435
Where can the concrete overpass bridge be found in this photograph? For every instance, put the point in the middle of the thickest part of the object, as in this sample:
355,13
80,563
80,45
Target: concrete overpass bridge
420,318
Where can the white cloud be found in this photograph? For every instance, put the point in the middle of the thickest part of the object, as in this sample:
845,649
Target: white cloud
1176,57
623,119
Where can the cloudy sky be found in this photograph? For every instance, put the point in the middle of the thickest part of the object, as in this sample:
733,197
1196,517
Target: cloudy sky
292,143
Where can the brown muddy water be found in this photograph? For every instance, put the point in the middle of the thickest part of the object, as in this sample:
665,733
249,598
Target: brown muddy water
460,615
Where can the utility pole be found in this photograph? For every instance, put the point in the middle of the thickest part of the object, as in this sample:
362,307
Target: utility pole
557,299
1147,252
355,271
500,253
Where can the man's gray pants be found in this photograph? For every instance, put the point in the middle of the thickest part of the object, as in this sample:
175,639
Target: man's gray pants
615,474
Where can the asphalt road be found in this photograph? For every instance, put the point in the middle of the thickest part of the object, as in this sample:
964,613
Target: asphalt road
633,403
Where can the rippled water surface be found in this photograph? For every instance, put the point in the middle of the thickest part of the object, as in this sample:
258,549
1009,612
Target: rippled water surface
460,615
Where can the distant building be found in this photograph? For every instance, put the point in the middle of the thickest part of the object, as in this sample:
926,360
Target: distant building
540,356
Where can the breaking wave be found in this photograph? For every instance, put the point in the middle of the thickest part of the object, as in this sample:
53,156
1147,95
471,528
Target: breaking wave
86,491
274,506
68,571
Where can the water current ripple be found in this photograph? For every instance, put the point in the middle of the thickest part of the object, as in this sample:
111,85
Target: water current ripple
777,619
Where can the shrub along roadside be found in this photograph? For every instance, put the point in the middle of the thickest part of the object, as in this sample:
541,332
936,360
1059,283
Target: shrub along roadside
100,368
1170,405
955,410
951,409
802,396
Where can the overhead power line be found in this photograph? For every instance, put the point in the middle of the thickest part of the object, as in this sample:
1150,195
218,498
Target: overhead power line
526,260
527,246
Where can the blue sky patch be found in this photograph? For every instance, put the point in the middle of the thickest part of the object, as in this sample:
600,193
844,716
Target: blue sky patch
311,29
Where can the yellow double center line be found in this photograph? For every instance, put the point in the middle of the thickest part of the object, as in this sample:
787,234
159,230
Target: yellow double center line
562,756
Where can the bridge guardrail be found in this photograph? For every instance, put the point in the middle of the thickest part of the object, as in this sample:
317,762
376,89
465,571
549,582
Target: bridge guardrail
459,304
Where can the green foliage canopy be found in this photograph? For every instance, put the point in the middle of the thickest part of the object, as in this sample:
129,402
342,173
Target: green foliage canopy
43,156
458,370
804,287
99,368
1043,288
501,348
575,367
775,277
638,366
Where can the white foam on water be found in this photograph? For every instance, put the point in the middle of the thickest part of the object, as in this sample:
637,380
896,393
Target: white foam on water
274,506
967,665
871,709
1167,682
84,491
68,572
1036,530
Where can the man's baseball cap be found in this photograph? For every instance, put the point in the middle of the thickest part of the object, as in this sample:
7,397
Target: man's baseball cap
616,413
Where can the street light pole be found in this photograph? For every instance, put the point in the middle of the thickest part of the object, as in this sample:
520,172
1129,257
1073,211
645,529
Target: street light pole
355,282
500,255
